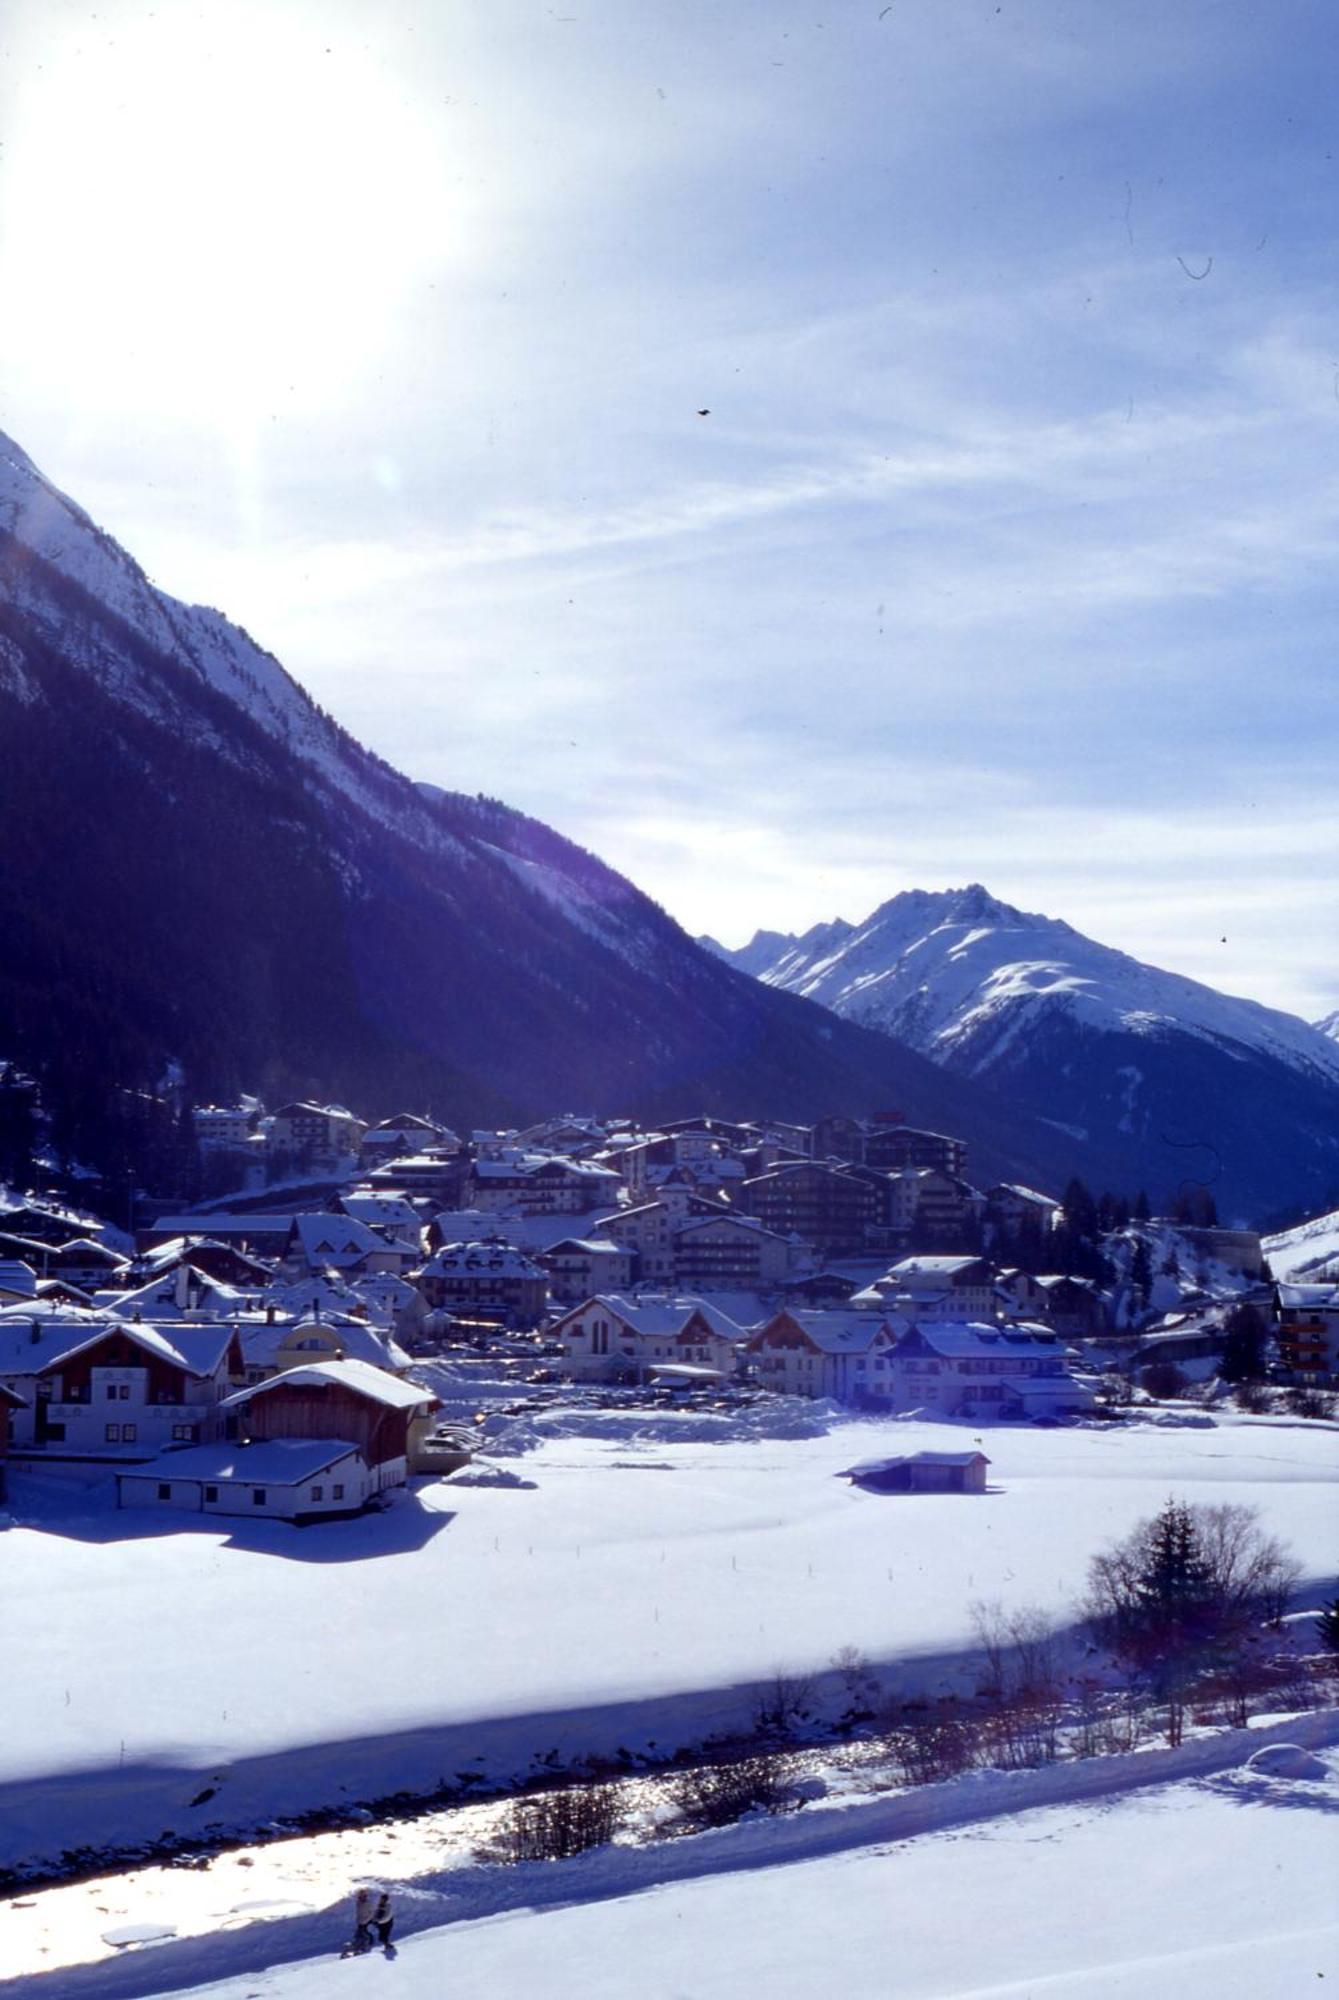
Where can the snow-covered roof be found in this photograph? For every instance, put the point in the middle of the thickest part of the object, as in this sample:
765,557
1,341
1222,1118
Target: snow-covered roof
353,1337
32,1343
87,1246
268,1462
869,1468
971,1342
493,1260
222,1225
585,1246
336,1239
837,1331
390,1210
1024,1194
935,1270
660,1317
1309,1295
18,1278
358,1377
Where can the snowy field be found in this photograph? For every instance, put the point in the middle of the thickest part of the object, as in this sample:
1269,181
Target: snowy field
1218,1888
625,1594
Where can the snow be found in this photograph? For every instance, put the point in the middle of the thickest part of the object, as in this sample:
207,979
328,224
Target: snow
950,971
1062,1882
201,641
1311,1250
606,924
634,1590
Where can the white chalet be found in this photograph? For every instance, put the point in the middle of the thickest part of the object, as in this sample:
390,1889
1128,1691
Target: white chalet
841,1355
984,1371
611,1339
97,1387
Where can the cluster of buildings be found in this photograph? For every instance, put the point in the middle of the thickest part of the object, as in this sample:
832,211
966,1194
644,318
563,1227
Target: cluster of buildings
258,1356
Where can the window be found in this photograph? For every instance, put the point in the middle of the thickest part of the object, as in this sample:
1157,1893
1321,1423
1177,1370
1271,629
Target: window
128,1433
183,1433
258,1496
164,1492
318,1493
337,1493
211,1493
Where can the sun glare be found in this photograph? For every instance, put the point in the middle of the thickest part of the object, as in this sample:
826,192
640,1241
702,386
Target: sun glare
216,222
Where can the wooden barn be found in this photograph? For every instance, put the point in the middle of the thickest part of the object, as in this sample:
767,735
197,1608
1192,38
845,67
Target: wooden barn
921,1472
349,1402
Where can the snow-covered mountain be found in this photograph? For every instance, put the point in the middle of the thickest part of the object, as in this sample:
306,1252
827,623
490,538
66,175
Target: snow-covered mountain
205,873
1169,1077
958,973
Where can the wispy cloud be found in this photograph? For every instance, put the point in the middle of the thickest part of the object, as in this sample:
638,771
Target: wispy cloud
1005,550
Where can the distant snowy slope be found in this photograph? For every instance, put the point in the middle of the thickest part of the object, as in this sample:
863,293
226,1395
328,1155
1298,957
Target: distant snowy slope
1310,1251
951,972
1170,1079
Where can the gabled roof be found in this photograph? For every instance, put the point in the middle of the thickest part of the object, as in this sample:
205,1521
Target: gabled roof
357,1377
832,1332
196,1350
658,1318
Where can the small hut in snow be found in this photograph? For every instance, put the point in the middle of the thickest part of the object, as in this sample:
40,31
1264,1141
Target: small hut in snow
921,1472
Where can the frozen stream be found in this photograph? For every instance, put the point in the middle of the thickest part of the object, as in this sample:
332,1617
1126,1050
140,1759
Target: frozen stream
76,1923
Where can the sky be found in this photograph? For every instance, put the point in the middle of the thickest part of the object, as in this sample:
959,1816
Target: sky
800,452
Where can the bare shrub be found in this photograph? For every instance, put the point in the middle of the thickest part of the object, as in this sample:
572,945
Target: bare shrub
1305,1401
1021,1732
860,1686
719,1794
928,1748
1253,1398
784,1705
1109,1724
551,1826
1020,1651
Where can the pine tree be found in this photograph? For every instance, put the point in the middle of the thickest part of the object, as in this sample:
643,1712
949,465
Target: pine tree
1175,1580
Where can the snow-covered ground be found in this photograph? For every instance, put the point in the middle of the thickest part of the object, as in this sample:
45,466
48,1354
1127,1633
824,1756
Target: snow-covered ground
623,1595
1310,1251
1213,1887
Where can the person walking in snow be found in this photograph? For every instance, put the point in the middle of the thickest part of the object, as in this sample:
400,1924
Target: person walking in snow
363,1918
383,1920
